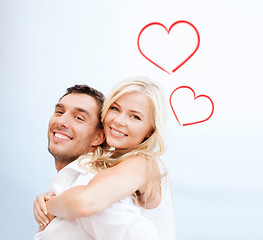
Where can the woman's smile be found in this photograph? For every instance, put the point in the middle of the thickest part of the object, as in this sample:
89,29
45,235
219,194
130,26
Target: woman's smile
117,133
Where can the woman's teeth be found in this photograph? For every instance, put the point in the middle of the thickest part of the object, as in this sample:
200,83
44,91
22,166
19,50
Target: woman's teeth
117,133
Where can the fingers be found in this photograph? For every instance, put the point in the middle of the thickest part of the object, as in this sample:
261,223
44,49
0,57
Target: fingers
40,199
40,209
49,195
39,215
41,228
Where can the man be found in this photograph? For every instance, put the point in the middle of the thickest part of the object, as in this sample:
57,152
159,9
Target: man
74,130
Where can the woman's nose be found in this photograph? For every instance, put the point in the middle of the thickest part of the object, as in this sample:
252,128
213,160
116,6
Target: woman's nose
121,120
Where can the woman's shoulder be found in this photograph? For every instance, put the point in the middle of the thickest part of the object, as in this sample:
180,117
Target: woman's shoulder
149,167
135,160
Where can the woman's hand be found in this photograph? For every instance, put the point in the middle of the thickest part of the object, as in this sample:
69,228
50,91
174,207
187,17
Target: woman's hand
40,210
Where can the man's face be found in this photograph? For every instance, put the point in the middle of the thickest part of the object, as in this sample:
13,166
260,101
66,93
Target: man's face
72,128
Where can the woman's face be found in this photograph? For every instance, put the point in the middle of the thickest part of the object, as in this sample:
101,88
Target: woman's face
128,121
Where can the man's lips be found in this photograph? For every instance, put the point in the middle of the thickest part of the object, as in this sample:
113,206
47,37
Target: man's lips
59,136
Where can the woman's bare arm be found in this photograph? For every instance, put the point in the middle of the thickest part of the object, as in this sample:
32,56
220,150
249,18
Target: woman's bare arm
106,188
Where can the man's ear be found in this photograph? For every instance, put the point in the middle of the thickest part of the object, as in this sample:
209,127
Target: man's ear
99,138
150,133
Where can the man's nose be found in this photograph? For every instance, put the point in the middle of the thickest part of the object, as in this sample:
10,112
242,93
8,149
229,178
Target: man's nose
63,121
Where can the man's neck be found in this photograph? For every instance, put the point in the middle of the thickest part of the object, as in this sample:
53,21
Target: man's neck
60,164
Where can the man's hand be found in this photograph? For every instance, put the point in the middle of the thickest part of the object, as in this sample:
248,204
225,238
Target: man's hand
40,210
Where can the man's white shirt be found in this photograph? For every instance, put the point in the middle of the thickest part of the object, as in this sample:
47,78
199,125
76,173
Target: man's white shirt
121,221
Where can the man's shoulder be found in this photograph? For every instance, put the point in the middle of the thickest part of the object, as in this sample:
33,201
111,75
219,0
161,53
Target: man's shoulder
81,165
85,172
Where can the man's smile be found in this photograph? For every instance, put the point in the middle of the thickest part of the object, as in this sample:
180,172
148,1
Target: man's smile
61,136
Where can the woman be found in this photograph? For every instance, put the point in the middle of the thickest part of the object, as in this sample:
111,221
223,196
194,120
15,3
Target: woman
133,120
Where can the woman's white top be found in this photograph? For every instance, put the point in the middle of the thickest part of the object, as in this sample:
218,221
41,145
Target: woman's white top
163,215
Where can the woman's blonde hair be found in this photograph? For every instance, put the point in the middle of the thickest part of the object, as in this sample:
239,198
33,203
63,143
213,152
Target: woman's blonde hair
152,147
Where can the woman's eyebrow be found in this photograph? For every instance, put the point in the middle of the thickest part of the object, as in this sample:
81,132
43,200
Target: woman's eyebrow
137,112
116,104
133,111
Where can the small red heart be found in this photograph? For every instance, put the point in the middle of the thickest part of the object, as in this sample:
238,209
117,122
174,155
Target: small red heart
168,31
195,97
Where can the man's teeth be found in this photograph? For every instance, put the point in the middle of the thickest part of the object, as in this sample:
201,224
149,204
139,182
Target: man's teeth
117,133
58,135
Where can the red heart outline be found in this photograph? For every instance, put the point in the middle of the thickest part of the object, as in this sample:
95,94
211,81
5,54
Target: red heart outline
168,31
195,97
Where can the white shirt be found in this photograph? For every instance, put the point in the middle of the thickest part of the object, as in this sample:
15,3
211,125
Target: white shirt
122,221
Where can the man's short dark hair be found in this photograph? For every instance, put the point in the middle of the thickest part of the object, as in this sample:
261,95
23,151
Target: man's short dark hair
85,89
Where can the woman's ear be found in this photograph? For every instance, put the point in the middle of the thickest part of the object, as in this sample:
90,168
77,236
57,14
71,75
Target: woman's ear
99,138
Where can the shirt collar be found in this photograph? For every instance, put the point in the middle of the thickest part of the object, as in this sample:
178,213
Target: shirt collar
80,164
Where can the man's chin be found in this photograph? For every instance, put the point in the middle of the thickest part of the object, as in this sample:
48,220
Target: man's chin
63,156
57,153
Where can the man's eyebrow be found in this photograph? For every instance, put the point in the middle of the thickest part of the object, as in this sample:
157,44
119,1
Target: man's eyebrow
78,109
59,105
82,110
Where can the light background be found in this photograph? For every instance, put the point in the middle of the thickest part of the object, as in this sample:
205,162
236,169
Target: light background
215,167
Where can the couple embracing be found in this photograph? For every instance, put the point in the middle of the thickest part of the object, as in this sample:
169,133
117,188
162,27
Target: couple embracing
110,182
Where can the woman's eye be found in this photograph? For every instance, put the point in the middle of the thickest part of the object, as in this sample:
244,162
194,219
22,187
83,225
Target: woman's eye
135,117
114,108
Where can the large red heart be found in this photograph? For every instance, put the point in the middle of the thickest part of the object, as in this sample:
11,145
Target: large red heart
195,97
168,31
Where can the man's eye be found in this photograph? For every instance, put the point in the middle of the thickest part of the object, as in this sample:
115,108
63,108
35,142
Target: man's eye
59,112
80,118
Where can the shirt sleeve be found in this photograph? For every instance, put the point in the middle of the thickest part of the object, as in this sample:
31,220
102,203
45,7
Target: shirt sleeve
121,221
